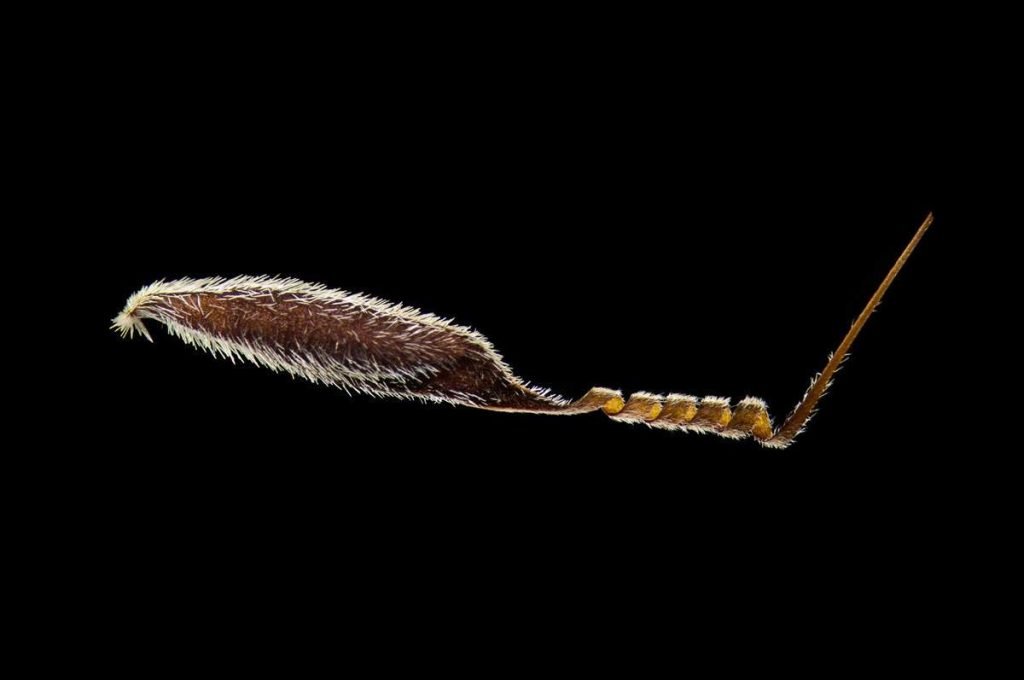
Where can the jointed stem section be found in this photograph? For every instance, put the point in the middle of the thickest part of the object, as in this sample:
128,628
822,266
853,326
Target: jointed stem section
750,416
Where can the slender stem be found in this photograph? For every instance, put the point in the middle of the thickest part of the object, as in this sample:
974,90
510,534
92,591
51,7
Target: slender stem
791,428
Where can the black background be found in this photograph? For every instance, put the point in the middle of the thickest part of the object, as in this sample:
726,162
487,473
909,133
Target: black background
672,219
657,243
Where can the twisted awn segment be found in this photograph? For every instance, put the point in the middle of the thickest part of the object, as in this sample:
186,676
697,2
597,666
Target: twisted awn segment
368,345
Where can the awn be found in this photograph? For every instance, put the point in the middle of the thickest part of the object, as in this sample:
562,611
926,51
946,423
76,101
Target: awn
367,345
